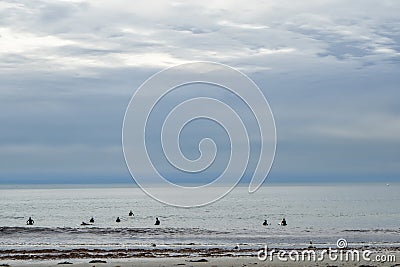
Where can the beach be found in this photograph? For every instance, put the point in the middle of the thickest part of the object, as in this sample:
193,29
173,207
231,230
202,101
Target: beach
220,234
199,133
229,259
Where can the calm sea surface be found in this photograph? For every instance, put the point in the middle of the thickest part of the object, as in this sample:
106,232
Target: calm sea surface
364,214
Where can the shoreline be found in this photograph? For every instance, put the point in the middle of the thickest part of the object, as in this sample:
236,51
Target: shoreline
215,261
188,257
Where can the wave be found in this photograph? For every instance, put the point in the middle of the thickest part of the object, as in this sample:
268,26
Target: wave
394,231
104,231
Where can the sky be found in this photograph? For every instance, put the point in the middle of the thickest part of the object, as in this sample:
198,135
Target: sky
329,69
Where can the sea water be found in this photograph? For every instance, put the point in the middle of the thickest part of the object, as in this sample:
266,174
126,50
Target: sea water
363,214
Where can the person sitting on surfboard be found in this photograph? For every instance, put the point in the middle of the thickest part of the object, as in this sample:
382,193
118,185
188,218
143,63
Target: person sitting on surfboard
30,221
130,213
118,220
265,223
91,220
283,222
157,222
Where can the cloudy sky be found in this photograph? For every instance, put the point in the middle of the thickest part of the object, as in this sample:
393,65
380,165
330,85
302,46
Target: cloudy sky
329,69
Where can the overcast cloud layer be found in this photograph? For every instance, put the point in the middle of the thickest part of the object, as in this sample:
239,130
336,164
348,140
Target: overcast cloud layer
329,69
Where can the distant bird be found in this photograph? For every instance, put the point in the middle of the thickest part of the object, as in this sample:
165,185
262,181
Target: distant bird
157,222
118,220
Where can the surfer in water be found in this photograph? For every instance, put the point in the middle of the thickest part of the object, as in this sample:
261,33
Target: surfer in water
157,222
30,221
265,223
131,213
283,222
84,224
118,220
91,220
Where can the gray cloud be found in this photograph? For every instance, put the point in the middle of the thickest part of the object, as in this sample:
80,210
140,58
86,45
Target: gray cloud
329,69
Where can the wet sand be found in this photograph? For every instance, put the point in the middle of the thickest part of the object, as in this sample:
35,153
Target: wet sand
216,258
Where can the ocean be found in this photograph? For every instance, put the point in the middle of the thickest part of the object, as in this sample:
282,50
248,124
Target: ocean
363,214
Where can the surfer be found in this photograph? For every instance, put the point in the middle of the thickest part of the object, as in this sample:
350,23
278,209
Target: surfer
91,220
130,213
283,222
84,223
265,223
118,220
157,222
30,221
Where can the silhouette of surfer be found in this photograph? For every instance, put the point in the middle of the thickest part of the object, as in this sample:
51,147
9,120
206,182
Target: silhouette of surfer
30,221
91,220
84,223
130,213
118,220
265,223
283,222
157,222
